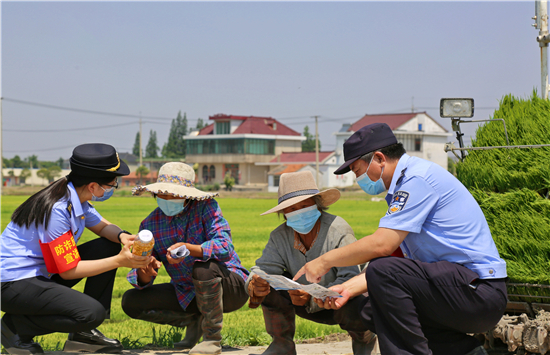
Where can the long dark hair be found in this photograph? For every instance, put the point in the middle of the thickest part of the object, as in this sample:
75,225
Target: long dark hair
38,208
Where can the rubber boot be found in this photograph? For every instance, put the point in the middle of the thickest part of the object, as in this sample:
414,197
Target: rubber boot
210,302
190,321
364,343
192,334
281,326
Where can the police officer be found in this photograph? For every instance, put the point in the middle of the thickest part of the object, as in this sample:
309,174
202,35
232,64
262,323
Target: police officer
41,262
451,280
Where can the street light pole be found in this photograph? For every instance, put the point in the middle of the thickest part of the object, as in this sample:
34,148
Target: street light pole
541,17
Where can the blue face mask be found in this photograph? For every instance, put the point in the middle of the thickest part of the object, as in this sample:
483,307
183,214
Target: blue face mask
171,207
106,194
369,186
303,221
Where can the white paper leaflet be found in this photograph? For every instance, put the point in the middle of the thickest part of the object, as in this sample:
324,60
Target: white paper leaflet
279,282
180,252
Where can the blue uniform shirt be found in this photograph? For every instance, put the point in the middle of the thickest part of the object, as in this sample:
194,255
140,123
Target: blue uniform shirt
443,219
21,257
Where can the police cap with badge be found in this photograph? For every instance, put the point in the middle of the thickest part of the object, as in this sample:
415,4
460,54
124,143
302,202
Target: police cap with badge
367,139
97,160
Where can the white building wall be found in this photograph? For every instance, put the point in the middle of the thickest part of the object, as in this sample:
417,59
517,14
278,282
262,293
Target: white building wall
433,150
33,179
343,180
234,125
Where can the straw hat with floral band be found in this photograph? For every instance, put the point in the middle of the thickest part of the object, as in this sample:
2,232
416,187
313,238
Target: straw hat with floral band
176,179
296,187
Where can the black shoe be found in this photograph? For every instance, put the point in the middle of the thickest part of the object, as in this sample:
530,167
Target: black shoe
92,341
14,345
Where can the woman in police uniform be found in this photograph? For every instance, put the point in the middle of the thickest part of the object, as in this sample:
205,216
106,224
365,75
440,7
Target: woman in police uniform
41,262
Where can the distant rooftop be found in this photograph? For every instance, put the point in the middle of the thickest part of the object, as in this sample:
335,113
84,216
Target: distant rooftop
252,125
394,120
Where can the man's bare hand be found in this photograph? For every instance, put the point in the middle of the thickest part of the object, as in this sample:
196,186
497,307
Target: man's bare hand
299,297
151,269
258,288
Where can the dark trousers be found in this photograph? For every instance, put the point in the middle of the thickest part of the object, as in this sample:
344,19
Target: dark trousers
428,308
346,317
163,298
37,305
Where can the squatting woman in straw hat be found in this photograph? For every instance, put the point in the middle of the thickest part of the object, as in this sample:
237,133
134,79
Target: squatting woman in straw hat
308,232
204,284
41,262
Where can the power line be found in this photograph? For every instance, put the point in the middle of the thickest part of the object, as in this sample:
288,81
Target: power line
68,129
41,150
63,108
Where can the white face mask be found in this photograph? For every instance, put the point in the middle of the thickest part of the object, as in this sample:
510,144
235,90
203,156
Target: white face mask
172,207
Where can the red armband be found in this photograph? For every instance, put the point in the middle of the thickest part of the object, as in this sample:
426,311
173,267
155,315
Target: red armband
398,253
60,254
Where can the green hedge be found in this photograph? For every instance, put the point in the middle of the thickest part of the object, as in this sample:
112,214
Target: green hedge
511,186
503,170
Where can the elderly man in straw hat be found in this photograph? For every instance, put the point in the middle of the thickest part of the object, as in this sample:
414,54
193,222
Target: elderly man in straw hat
308,232
204,284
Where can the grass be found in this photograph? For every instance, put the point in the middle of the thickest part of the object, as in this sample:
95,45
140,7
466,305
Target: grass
250,233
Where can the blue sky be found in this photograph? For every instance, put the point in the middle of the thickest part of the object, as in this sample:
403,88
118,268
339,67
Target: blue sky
287,60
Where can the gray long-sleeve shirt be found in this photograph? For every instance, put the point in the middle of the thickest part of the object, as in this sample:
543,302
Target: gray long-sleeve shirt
279,255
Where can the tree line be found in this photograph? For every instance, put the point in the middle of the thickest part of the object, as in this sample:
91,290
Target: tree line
175,146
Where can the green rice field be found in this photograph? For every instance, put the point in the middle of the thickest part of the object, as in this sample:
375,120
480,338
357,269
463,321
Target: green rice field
250,233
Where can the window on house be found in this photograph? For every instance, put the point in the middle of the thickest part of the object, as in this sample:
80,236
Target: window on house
276,179
420,126
205,174
411,143
231,146
212,173
223,127
417,144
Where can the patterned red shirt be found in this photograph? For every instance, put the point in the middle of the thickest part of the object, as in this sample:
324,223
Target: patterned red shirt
200,223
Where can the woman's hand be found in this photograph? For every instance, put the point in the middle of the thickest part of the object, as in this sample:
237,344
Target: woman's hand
299,297
313,270
169,257
334,302
258,288
127,239
127,259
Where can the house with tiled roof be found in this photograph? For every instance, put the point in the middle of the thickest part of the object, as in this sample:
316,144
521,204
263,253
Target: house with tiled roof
301,161
235,144
420,134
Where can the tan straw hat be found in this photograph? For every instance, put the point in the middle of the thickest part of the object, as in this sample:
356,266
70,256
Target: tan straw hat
296,187
175,179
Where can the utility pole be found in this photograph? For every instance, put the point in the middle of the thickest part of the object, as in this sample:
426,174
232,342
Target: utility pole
140,136
541,18
317,152
1,151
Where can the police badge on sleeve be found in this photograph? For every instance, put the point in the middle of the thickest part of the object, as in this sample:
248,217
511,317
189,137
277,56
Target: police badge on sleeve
398,202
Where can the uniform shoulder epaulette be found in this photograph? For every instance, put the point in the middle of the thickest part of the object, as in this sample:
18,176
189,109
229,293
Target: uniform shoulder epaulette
401,176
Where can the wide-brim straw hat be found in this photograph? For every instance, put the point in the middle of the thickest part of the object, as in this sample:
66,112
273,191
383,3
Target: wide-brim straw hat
296,187
176,179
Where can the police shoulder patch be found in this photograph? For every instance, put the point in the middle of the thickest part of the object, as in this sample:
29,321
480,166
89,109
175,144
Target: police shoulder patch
398,201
